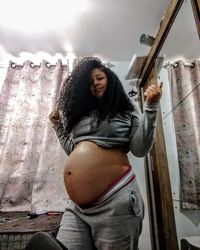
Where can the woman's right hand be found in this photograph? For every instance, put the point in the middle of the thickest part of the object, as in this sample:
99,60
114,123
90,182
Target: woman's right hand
54,117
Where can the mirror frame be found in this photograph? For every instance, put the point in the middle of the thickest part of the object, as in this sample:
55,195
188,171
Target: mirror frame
196,11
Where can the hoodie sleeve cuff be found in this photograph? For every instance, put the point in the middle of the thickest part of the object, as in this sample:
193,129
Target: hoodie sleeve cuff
153,107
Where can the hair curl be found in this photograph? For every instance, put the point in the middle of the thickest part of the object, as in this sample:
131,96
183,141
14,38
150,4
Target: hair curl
76,99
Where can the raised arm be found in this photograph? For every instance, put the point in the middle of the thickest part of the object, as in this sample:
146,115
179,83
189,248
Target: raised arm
143,125
65,140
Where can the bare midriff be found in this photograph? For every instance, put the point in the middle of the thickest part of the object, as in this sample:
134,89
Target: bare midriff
90,169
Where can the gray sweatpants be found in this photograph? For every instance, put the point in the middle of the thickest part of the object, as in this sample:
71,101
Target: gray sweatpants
114,224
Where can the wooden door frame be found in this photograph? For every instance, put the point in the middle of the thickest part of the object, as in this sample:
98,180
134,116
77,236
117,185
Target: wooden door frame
161,212
162,220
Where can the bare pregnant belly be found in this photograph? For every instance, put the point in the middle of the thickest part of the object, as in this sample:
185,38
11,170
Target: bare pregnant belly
90,169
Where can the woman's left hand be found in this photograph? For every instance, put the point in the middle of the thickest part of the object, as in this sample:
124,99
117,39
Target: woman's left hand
153,93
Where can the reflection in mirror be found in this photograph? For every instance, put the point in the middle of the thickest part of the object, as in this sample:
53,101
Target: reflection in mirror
180,107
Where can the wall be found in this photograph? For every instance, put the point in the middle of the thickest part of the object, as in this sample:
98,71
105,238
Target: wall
188,221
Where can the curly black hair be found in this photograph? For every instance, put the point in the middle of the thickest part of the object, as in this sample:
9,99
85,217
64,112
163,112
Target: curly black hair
76,100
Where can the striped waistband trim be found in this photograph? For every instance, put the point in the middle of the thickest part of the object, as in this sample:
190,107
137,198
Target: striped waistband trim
117,185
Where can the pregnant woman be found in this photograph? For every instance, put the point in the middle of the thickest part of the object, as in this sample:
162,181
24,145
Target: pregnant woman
97,126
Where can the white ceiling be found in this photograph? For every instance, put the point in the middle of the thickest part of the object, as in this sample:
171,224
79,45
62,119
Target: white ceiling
110,29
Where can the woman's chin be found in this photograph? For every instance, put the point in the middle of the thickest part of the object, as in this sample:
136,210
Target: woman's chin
98,96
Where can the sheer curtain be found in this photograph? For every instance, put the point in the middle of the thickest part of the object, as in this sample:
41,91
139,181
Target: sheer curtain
185,90
31,158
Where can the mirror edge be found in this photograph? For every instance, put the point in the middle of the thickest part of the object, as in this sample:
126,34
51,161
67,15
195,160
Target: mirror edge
163,31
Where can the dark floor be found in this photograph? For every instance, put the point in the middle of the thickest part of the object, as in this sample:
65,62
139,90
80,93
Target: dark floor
16,228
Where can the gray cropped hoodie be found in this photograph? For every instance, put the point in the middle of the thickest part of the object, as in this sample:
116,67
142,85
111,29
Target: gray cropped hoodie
134,131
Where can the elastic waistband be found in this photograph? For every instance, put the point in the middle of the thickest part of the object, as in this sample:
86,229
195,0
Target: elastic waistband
113,188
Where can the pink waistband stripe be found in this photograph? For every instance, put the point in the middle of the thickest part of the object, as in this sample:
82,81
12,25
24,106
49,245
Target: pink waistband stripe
114,187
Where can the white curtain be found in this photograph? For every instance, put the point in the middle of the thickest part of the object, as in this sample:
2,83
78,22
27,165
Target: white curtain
185,91
31,158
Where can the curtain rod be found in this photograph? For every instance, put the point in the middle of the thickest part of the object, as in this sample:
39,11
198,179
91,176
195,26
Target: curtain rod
175,64
107,64
32,65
